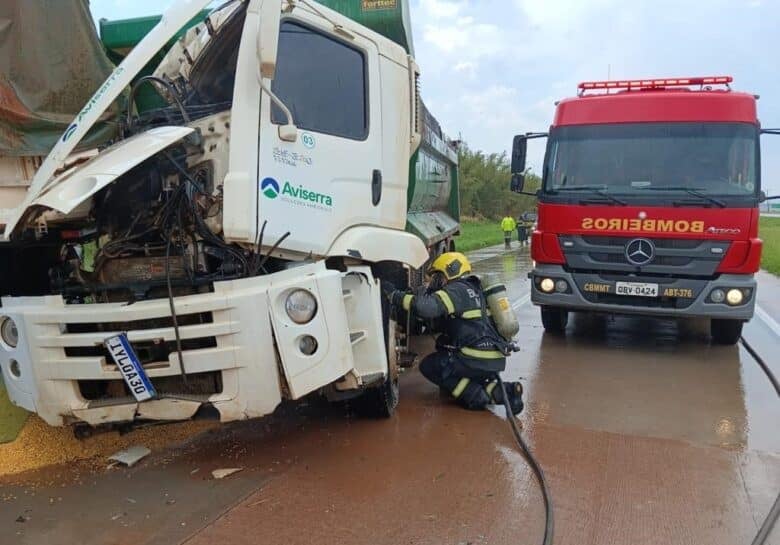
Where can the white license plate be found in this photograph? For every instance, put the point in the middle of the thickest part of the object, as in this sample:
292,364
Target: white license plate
130,366
636,288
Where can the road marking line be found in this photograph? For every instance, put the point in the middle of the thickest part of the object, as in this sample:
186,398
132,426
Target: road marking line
522,301
768,320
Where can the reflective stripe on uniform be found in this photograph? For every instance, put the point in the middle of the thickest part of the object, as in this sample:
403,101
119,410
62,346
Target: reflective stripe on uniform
481,354
407,301
471,314
462,383
490,387
445,298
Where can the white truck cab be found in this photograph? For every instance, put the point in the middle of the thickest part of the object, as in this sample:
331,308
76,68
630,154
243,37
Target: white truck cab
236,236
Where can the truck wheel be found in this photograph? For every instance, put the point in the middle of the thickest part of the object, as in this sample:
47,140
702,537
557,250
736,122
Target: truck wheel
725,331
554,319
381,401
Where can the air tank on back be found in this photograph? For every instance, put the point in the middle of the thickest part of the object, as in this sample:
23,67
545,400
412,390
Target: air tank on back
497,300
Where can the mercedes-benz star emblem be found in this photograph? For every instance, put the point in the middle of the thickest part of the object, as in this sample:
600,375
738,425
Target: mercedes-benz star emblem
640,251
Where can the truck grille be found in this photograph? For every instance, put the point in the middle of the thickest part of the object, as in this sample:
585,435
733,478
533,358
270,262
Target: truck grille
199,387
70,338
675,243
154,354
677,257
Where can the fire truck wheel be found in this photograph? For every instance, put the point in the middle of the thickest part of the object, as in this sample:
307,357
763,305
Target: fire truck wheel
555,319
725,331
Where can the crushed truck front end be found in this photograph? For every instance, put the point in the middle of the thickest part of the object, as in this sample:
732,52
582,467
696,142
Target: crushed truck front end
649,204
243,348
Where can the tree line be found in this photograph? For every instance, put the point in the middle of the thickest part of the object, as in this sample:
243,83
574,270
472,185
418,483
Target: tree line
484,186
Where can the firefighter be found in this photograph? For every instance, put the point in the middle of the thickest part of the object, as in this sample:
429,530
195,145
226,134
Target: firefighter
508,226
469,351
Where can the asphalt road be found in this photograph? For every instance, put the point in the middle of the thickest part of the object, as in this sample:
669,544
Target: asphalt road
648,435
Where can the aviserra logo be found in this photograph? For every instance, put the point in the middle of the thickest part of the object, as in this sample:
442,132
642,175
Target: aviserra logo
270,188
300,194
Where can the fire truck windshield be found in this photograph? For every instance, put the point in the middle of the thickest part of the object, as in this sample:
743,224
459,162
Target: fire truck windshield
629,159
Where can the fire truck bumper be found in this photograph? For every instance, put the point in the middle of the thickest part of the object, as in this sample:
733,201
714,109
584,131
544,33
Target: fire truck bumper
655,296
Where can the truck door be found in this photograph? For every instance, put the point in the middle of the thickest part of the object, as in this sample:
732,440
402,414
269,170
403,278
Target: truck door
331,177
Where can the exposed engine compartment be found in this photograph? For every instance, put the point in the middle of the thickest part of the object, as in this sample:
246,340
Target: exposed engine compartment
156,230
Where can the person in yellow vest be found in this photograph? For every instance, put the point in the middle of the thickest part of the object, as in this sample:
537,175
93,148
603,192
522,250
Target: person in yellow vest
508,225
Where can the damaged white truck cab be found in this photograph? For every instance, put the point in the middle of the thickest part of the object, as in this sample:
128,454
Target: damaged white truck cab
237,236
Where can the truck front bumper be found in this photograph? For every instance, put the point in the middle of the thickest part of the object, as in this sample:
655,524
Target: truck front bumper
241,350
596,293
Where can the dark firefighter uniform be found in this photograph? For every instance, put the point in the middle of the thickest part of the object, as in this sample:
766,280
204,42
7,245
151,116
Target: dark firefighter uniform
469,349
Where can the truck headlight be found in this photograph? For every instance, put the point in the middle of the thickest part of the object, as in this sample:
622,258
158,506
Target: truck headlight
301,306
307,345
9,332
734,296
717,295
547,285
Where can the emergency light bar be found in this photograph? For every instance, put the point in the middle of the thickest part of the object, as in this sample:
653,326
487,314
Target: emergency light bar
654,83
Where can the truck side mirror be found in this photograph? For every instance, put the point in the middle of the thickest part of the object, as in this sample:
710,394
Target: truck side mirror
517,167
269,17
269,20
517,182
519,150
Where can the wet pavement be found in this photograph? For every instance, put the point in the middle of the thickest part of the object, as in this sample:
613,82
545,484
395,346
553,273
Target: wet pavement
646,432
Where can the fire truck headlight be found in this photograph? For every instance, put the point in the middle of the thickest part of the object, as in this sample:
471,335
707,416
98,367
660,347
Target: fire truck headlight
734,296
547,285
717,296
561,286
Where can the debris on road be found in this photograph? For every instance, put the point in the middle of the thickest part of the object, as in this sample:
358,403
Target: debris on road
130,456
225,472
39,445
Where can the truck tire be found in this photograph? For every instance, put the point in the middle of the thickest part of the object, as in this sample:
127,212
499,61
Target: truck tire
381,401
725,331
554,319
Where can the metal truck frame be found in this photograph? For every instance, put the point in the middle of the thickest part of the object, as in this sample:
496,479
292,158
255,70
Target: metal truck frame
268,289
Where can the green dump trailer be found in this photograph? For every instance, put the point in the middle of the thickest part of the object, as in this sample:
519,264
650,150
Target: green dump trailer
433,198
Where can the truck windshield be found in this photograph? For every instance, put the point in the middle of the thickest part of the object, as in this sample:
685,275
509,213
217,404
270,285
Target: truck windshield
640,158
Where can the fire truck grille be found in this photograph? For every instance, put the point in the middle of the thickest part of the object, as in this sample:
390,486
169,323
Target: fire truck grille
677,257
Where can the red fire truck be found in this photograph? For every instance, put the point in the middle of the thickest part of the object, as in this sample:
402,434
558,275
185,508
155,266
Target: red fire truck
649,203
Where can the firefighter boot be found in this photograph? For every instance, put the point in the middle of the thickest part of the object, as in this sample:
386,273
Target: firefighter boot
514,391
471,394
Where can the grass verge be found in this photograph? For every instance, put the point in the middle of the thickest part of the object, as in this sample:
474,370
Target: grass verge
769,231
479,234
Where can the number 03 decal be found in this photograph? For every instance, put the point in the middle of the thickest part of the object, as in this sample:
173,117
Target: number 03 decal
308,140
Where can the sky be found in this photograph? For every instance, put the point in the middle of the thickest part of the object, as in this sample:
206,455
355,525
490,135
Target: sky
495,68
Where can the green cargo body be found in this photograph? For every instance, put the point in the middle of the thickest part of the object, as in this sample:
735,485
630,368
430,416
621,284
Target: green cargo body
120,36
433,198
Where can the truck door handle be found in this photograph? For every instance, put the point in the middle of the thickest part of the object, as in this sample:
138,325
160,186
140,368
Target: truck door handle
376,186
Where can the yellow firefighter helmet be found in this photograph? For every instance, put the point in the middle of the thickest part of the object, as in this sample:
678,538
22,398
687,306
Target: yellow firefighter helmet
451,264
